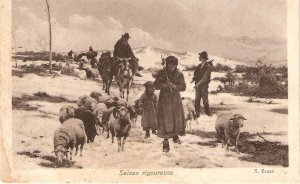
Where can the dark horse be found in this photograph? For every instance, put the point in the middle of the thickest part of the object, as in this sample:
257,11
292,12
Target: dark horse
78,57
91,56
106,70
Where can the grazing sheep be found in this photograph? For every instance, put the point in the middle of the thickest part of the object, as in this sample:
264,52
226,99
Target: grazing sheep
91,72
66,112
189,111
96,95
119,126
105,119
98,114
89,122
87,102
228,127
69,135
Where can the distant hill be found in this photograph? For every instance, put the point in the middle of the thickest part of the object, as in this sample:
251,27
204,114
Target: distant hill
150,57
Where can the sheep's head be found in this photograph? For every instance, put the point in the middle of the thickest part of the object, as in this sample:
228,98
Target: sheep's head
120,112
60,153
238,120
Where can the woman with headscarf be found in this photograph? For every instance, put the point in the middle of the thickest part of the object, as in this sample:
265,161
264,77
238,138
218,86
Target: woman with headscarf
170,115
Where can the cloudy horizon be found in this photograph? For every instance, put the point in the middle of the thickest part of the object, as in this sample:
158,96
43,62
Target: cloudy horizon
237,29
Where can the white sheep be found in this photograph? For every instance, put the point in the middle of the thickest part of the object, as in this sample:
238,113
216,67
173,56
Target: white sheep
66,112
69,135
228,127
96,95
91,72
87,102
189,111
98,114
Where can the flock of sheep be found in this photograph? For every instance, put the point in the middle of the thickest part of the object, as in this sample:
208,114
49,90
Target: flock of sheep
96,114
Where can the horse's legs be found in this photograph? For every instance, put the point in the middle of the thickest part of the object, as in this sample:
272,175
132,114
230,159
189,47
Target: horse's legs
104,84
108,86
127,94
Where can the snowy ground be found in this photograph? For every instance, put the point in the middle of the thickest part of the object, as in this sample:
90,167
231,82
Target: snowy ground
33,129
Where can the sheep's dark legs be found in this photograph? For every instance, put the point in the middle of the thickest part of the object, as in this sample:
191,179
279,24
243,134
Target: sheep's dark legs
124,139
221,138
112,138
76,149
119,143
71,152
228,143
81,148
66,155
236,143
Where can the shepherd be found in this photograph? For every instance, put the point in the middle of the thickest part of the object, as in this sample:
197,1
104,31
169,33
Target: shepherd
170,116
201,77
122,50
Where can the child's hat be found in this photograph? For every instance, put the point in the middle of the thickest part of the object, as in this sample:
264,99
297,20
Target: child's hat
148,84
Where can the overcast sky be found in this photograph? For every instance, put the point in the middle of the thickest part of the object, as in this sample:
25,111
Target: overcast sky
180,25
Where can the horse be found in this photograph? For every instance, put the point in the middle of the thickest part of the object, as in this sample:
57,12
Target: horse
124,76
105,68
77,58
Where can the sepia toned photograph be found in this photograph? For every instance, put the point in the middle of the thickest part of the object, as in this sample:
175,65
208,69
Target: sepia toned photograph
148,88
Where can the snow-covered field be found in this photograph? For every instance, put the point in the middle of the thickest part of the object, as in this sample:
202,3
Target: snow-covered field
33,129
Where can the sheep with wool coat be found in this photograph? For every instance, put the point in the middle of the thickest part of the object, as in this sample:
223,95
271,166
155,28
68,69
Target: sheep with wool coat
119,126
96,95
189,111
87,102
89,122
98,114
228,128
66,112
69,135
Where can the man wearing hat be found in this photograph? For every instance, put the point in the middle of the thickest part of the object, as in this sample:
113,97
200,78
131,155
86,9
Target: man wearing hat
122,49
202,79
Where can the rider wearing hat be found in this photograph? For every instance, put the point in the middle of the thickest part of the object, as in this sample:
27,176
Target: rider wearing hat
122,49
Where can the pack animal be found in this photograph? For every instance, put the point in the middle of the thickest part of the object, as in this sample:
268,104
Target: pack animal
106,71
124,77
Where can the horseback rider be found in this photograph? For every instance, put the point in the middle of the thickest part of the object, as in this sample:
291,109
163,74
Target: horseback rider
91,49
70,54
123,50
91,55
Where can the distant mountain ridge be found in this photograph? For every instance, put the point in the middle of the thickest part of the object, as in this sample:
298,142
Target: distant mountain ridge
150,57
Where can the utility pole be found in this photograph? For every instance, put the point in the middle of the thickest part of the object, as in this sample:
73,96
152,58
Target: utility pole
50,36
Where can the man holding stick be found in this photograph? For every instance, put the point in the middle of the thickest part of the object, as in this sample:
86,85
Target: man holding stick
201,77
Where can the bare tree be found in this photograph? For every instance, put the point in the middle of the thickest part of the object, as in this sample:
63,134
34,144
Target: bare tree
50,36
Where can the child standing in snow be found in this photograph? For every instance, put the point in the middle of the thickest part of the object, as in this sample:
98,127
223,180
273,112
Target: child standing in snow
149,103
